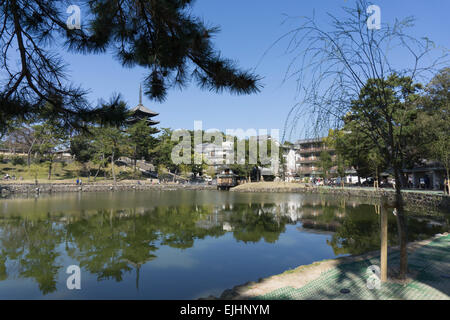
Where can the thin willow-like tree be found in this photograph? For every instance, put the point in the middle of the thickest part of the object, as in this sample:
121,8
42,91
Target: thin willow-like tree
339,66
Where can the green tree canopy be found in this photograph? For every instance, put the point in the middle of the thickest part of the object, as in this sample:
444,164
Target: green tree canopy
435,119
141,140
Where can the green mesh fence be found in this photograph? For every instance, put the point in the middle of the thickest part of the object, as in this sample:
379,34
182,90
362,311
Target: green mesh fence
430,264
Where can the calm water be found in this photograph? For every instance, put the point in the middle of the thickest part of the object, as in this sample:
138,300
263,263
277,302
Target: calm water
177,244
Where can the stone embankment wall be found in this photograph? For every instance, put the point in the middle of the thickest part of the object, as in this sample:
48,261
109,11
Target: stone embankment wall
419,199
411,198
50,188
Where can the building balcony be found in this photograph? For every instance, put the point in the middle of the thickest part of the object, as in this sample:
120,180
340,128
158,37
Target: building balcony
311,150
308,160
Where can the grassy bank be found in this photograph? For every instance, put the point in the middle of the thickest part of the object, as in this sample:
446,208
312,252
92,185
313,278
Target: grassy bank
62,172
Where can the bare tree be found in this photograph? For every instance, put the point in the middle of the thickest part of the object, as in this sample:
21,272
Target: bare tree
24,139
333,65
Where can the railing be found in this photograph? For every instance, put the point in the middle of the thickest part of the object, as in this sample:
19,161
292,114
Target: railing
309,150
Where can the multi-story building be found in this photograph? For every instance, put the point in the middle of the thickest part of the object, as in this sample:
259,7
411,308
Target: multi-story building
302,158
214,154
220,156
309,151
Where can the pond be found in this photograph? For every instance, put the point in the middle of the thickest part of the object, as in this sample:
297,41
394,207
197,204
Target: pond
178,244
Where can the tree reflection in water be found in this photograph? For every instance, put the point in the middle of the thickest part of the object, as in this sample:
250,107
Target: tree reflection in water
109,243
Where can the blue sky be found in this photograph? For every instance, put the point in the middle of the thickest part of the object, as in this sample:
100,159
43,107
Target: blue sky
248,28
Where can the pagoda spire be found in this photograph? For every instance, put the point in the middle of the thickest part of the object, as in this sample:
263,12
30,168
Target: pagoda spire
140,112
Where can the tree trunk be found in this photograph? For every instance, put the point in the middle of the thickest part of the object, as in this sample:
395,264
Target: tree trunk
112,168
377,178
447,186
104,161
135,158
401,224
50,169
98,171
29,153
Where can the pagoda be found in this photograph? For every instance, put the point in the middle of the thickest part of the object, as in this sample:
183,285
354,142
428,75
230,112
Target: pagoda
140,112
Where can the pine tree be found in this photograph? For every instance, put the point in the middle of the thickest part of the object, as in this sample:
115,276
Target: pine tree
159,35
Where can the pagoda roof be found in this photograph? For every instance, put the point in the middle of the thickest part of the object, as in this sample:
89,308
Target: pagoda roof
152,122
136,119
141,108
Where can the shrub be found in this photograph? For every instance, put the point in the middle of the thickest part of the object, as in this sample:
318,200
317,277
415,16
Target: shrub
16,160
